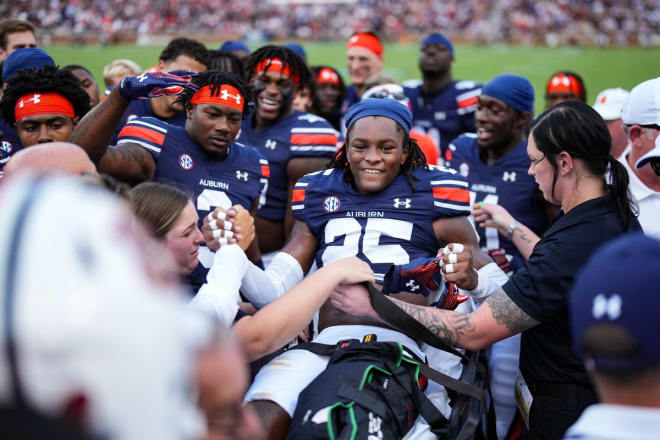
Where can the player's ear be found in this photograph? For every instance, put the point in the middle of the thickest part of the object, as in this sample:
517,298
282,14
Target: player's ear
75,120
523,118
189,110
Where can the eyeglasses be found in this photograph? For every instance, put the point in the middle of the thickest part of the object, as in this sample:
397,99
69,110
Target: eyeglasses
536,162
382,94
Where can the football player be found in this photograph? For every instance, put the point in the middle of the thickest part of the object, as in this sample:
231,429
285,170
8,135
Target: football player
20,59
179,54
329,95
202,156
494,161
379,201
294,143
43,104
564,86
441,107
364,51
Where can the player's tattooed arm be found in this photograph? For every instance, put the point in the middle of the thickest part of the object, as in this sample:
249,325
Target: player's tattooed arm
94,131
498,318
128,162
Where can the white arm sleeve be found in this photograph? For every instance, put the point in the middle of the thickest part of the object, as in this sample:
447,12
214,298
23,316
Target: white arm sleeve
262,287
491,279
219,296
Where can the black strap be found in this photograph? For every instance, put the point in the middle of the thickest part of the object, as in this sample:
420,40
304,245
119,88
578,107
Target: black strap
393,315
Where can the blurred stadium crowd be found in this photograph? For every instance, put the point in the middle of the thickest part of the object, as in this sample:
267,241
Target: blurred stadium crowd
600,23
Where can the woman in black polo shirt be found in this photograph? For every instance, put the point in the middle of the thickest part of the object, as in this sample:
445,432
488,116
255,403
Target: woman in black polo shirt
569,148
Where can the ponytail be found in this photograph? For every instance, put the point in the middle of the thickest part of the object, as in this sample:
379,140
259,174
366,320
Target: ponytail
620,191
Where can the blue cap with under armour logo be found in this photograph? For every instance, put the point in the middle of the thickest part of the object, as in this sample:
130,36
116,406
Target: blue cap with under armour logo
616,298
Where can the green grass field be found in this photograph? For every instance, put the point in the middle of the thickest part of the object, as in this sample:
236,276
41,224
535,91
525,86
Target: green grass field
601,68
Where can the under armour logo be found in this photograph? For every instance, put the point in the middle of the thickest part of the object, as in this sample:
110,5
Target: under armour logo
375,423
406,203
270,144
310,118
607,306
242,175
440,116
143,77
225,95
35,99
509,176
412,286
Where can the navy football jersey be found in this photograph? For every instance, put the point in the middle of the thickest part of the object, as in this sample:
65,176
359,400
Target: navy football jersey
505,183
239,179
298,135
446,114
10,143
140,108
393,226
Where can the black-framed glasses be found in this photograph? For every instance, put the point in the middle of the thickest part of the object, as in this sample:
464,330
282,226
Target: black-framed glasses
537,161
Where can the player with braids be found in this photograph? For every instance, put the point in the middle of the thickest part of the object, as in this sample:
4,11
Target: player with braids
372,214
202,157
414,158
44,104
225,61
294,143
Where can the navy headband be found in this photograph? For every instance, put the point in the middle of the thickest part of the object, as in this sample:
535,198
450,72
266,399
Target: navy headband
387,108
439,38
513,90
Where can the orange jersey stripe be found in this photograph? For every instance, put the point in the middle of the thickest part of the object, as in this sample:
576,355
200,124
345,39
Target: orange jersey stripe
143,133
297,195
468,102
314,139
265,170
454,194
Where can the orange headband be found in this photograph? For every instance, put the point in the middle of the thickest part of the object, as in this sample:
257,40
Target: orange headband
43,103
367,41
275,65
326,75
228,95
564,83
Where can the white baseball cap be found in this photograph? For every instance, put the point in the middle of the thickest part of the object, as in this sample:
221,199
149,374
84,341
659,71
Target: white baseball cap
655,152
643,105
610,102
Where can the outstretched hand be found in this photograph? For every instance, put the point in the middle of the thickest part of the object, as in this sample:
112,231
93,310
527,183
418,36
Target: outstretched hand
155,84
494,216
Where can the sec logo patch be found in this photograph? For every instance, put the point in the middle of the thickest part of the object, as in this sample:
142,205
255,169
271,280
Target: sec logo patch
186,162
331,204
464,169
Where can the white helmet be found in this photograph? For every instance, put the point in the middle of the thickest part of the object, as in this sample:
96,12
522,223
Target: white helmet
89,314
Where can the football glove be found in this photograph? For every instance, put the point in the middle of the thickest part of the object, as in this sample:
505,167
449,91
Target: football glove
452,298
155,84
421,276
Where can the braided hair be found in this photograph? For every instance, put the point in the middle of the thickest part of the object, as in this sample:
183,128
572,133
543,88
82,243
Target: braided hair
414,158
289,59
215,79
48,79
226,62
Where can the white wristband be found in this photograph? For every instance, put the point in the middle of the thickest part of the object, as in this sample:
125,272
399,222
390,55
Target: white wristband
491,279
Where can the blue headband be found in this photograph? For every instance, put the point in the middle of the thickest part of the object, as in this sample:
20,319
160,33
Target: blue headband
387,108
439,38
231,46
513,90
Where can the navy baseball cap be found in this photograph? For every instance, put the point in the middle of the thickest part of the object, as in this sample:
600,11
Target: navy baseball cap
28,57
619,288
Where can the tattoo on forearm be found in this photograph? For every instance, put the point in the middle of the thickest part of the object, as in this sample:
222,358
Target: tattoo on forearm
507,313
523,235
448,325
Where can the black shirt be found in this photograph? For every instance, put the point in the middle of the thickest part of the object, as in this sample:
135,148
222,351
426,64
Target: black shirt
541,289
